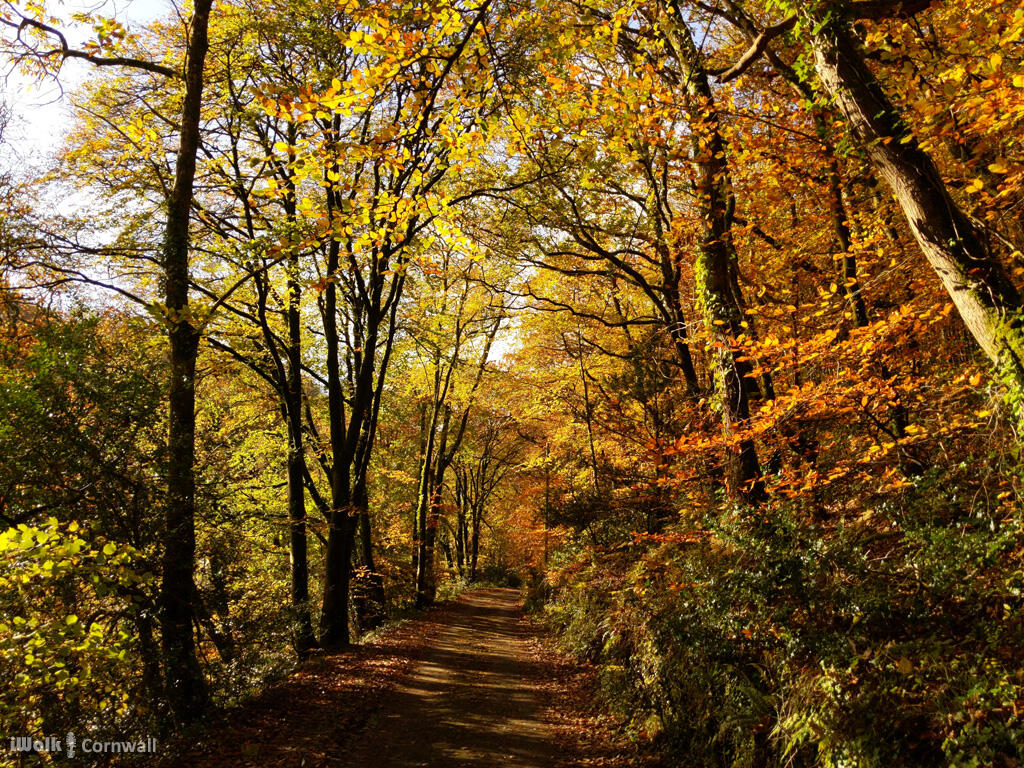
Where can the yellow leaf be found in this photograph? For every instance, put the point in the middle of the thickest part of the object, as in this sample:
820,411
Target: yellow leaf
998,167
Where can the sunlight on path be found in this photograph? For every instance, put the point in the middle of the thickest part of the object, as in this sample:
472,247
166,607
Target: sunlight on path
474,701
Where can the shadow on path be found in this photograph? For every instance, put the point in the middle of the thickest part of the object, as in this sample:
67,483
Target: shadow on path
472,702
466,685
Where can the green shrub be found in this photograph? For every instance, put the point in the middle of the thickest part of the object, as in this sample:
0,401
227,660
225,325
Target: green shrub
70,612
891,638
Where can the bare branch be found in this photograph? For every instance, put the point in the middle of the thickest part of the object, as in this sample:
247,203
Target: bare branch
65,51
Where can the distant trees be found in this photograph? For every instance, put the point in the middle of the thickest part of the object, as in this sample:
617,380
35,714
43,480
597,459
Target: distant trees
455,337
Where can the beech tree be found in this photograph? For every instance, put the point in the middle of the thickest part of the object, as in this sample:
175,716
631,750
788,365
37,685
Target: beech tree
184,681
973,275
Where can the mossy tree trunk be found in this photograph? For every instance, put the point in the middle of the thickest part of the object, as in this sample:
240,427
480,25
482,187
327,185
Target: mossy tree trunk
715,270
976,281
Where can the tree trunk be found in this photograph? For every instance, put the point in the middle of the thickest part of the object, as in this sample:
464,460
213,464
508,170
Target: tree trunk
461,504
979,286
185,687
341,529
460,543
337,577
427,558
849,281
304,638
368,598
474,543
417,534
670,274
430,504
446,548
149,654
715,268
423,545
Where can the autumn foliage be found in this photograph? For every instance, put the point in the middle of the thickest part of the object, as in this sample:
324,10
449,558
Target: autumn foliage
702,321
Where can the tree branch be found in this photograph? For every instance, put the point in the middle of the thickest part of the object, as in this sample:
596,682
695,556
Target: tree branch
67,52
756,49
861,9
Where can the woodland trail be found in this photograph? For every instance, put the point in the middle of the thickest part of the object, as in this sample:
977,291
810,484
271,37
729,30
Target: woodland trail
467,685
474,700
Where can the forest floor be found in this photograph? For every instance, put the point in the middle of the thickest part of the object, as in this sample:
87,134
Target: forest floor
471,684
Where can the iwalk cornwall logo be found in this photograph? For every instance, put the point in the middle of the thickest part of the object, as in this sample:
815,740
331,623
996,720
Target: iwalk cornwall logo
69,746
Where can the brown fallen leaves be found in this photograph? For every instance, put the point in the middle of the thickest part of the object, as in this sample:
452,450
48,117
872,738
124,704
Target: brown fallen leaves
587,735
309,719
306,720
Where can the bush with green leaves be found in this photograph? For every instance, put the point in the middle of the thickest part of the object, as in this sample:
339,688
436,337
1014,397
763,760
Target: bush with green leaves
69,604
893,637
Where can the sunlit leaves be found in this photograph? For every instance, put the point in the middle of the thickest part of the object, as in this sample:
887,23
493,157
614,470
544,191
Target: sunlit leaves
67,597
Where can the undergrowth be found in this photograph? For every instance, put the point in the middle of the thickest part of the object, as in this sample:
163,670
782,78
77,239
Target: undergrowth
891,636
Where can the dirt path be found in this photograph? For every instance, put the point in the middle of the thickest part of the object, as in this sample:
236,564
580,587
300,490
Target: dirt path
473,701
467,685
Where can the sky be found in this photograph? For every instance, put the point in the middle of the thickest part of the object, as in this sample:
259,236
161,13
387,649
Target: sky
40,111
